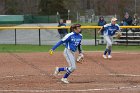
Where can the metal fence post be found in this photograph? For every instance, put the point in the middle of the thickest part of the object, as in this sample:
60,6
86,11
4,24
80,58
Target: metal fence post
39,38
15,36
126,36
95,37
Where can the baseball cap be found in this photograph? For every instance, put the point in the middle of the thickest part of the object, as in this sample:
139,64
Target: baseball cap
113,19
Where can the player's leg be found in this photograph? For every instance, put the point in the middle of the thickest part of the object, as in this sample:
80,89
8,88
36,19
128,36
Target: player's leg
59,69
69,55
108,46
70,58
106,50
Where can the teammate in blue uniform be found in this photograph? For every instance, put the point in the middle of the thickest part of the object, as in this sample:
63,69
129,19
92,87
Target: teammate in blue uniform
79,46
71,40
109,31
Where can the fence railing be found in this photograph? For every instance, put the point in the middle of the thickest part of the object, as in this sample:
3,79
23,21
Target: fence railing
55,27
67,27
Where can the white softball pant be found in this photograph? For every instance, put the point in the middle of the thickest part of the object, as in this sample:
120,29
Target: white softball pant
109,40
70,58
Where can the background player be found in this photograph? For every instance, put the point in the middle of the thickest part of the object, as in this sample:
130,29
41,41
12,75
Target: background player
72,40
101,22
62,32
109,30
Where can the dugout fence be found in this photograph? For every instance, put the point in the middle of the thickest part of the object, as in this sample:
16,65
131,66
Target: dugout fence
20,19
131,34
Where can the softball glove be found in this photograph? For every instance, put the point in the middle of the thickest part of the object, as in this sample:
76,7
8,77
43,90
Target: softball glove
118,35
80,58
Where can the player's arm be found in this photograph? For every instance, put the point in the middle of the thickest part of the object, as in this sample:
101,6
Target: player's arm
80,57
119,34
80,48
63,40
119,29
55,46
101,29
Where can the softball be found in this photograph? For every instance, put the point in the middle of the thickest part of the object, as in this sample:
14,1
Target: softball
51,52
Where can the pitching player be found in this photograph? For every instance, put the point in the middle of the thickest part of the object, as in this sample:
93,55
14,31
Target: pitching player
109,30
72,40
79,46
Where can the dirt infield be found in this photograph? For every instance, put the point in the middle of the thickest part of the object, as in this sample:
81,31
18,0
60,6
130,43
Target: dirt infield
32,73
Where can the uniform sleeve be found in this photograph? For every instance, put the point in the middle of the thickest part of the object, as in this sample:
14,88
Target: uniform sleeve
57,44
66,37
105,26
80,48
63,40
118,29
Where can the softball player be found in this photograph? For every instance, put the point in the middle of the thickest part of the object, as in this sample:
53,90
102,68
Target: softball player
72,40
79,46
109,30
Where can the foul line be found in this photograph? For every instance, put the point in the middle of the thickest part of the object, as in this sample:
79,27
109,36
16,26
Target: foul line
135,53
125,75
82,90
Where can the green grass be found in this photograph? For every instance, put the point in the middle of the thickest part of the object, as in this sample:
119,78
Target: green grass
114,48
88,33
43,48
88,24
24,48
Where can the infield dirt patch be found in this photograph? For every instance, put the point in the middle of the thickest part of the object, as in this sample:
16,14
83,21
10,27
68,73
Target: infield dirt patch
32,73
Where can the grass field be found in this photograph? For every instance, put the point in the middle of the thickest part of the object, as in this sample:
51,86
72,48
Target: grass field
88,33
44,48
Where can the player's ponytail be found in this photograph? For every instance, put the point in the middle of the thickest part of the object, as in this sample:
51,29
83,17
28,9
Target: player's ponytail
71,28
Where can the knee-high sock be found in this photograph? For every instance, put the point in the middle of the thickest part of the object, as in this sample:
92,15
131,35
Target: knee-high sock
67,73
109,52
105,51
62,69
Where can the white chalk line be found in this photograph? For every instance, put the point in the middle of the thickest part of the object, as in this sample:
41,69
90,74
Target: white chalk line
135,53
124,75
77,90
83,90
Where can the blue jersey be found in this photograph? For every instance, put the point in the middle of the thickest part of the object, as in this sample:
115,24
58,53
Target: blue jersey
72,40
110,29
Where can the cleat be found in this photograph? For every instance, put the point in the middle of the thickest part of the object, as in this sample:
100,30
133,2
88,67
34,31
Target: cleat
65,80
104,56
109,56
56,71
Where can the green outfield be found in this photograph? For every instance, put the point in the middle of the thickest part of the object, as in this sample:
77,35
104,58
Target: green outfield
45,48
89,33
